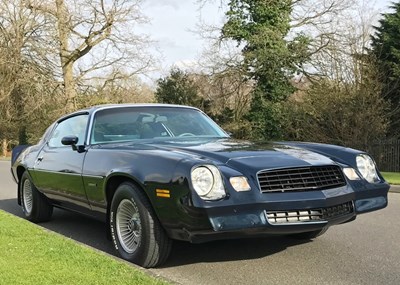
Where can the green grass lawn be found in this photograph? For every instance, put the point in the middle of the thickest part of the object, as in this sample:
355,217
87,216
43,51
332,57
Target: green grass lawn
392,177
32,255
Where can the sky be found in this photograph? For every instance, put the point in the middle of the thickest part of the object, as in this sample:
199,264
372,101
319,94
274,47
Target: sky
172,24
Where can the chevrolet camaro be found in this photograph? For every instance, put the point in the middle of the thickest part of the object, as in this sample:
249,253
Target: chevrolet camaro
156,173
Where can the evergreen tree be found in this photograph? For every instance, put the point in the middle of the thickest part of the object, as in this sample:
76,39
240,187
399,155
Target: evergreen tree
386,49
178,88
261,27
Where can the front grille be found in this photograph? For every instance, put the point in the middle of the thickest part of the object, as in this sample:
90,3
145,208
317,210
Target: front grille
301,179
314,215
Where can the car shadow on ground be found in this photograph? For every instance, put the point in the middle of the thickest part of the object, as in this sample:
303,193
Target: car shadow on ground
11,206
184,253
93,233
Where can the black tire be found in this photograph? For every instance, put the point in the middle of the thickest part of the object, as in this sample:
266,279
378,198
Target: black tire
309,235
35,205
136,233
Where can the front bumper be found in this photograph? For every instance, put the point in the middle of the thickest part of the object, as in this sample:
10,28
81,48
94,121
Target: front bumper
285,213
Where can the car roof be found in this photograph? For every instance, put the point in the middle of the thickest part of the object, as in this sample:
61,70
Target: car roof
111,106
95,108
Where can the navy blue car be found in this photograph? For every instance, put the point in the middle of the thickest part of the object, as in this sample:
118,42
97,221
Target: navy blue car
157,173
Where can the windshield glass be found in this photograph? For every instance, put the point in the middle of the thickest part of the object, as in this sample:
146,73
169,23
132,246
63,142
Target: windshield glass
143,123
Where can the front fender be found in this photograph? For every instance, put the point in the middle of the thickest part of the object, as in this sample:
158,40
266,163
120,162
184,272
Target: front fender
105,169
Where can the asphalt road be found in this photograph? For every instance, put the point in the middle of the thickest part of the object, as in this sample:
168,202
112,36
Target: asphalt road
366,251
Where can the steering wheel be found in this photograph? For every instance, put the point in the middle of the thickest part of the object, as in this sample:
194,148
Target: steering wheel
186,135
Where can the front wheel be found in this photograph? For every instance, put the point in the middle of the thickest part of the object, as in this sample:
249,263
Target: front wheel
35,205
135,230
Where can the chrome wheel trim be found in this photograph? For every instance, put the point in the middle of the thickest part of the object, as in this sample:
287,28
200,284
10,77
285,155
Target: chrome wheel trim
129,228
27,196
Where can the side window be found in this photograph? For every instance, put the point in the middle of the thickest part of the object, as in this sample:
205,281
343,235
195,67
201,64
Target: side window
74,126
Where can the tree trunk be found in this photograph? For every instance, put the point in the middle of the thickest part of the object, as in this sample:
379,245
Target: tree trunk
4,145
67,63
69,87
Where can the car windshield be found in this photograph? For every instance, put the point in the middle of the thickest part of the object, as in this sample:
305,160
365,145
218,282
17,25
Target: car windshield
143,123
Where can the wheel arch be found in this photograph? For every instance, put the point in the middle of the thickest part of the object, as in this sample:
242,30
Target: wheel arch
20,171
112,183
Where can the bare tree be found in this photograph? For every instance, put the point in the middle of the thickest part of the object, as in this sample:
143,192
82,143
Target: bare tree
95,40
338,44
324,22
125,90
309,17
227,81
336,70
26,85
342,103
20,32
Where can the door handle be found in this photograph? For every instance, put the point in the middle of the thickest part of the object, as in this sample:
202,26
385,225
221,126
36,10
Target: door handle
39,159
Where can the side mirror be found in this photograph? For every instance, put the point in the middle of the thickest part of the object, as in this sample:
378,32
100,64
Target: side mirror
70,140
73,141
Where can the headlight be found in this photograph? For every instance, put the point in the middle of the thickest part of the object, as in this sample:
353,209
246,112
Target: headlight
367,168
207,182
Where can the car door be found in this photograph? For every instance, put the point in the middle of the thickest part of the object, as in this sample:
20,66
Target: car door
58,168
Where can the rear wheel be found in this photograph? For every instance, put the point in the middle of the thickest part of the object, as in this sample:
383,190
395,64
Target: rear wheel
309,235
35,205
135,230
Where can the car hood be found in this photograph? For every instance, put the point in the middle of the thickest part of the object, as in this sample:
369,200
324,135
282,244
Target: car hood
239,154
